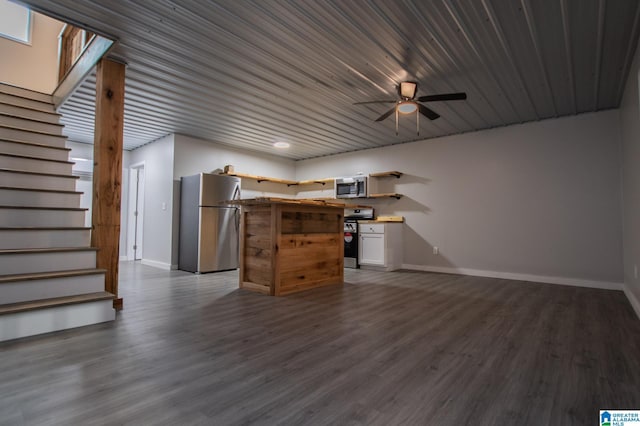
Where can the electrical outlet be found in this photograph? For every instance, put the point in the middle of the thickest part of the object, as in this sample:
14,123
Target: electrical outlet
436,250
164,206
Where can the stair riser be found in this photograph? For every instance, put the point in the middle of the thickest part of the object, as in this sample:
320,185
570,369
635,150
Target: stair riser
28,290
46,238
31,323
21,180
41,218
17,91
35,151
33,165
39,199
28,263
32,114
29,124
21,135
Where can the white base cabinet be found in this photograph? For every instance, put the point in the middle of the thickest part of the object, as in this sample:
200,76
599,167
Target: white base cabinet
380,245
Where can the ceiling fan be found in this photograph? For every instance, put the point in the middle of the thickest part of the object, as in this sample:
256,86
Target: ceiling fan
408,103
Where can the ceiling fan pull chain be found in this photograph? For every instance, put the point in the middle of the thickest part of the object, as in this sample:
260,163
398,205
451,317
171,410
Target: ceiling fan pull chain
396,121
418,123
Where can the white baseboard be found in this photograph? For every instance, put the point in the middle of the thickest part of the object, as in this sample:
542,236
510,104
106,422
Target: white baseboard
519,277
123,258
635,303
156,264
174,267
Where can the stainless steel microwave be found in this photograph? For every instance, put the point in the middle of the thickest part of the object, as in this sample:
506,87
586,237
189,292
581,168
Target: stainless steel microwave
351,187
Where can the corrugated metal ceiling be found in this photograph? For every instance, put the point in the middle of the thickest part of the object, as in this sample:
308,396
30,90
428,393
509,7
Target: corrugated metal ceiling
248,74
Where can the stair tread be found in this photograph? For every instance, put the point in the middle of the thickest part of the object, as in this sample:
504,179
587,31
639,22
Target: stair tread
51,274
31,157
45,228
31,119
53,135
57,191
30,108
57,301
74,209
38,173
46,250
42,145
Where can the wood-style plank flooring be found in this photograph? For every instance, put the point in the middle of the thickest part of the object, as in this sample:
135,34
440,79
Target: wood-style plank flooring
399,348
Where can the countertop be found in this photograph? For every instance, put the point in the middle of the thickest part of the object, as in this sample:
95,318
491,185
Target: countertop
308,202
275,200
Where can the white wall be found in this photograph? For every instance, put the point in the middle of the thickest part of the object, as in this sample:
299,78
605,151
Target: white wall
174,156
539,201
197,156
33,66
158,200
194,156
82,151
630,130
536,201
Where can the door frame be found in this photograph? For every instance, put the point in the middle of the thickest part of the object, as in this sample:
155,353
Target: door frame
135,223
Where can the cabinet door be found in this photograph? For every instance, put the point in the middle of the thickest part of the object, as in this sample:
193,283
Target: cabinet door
371,249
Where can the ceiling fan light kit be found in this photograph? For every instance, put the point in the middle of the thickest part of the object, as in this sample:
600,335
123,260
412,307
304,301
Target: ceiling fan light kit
407,107
407,104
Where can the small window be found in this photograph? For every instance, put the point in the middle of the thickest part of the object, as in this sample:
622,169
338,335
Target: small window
15,22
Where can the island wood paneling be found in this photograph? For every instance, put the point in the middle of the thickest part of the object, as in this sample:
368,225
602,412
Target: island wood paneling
287,247
256,250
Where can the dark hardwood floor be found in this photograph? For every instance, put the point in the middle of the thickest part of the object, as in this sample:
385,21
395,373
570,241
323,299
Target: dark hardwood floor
399,348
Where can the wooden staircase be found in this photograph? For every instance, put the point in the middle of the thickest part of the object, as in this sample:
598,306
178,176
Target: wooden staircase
48,275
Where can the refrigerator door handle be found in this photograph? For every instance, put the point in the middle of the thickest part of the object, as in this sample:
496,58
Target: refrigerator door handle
236,193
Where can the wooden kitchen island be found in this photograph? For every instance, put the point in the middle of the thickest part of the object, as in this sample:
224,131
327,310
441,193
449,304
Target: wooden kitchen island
288,246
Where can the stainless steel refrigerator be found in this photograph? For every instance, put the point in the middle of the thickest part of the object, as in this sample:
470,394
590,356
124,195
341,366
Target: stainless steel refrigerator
209,231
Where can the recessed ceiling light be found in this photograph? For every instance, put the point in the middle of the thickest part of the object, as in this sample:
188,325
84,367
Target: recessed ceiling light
281,145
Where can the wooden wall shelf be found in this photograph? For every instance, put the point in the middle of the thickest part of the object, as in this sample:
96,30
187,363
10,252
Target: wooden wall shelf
323,182
287,182
386,195
393,173
333,200
262,178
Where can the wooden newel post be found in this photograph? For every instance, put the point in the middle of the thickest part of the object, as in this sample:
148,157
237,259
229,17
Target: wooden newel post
107,170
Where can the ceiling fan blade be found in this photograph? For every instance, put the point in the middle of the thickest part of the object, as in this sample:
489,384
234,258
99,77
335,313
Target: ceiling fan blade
376,102
444,97
430,114
386,114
